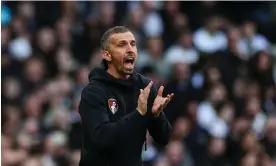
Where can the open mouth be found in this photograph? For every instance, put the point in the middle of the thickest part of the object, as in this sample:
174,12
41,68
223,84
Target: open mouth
129,63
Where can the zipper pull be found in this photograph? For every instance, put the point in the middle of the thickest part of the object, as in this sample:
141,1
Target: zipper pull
146,144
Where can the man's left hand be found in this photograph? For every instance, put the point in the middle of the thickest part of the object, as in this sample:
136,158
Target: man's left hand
160,102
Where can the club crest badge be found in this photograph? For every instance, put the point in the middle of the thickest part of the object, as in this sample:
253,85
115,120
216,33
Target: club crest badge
113,105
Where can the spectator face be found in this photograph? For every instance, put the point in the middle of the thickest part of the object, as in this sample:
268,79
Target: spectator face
31,126
82,78
34,70
239,88
69,8
65,61
172,7
136,17
24,141
12,121
55,143
63,26
162,162
175,152
234,34
46,40
60,119
253,89
13,157
233,38
52,90
249,159
26,10
249,29
180,21
155,46
227,113
270,137
270,130
148,6
249,142
213,75
181,128
181,71
95,59
208,4
19,26
186,40
5,60
6,143
63,31
240,126
107,12
253,106
5,35
264,62
217,147
11,88
192,110
32,106
218,94
269,93
49,146
32,162
214,23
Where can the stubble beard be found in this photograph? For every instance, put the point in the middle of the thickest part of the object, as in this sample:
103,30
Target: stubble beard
121,71
128,72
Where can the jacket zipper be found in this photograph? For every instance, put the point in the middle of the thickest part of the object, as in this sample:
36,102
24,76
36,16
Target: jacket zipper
146,144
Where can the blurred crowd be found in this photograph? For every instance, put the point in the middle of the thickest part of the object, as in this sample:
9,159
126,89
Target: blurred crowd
215,56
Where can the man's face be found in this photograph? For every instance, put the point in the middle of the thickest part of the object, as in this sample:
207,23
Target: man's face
123,52
249,29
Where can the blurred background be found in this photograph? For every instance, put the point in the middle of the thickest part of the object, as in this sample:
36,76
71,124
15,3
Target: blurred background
217,57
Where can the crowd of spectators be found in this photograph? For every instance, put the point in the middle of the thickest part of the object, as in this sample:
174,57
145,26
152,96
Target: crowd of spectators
215,56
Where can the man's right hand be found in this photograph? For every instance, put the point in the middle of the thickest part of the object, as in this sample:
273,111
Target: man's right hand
143,99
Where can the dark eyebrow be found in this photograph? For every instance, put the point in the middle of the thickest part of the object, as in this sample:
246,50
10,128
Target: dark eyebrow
121,41
124,41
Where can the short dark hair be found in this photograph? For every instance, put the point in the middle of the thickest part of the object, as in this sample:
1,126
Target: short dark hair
109,32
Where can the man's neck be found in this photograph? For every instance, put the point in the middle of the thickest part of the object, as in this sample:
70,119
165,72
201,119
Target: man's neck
117,75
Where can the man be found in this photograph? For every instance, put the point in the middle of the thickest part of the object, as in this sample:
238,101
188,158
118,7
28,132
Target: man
118,106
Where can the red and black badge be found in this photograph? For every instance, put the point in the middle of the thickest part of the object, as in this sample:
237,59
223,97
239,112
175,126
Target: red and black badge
113,105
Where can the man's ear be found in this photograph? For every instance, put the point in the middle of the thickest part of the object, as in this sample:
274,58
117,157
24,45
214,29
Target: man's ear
106,56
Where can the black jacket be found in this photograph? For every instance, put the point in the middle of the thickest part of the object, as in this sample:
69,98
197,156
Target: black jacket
117,139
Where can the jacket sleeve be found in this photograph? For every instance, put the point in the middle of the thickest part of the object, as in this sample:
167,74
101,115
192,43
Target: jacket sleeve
96,122
159,127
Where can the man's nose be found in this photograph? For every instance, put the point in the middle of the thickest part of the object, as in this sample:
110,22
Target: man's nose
130,48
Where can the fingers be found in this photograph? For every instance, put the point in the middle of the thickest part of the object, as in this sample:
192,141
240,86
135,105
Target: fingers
171,96
144,93
168,99
164,103
160,91
148,88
